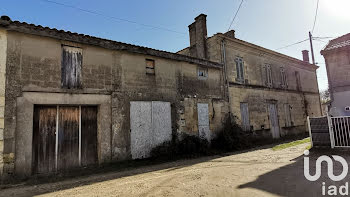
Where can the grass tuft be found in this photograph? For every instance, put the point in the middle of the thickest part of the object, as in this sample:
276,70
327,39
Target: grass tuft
290,144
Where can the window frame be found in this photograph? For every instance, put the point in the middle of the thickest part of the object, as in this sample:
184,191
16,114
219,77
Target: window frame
239,69
67,82
269,80
150,70
284,82
202,70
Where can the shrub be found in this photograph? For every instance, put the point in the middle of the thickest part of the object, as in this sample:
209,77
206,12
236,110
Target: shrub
232,137
188,146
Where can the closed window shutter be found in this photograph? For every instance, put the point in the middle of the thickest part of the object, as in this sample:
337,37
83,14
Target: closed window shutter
263,75
71,67
269,76
239,69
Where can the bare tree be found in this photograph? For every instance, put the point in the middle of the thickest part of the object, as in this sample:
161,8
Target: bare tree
325,96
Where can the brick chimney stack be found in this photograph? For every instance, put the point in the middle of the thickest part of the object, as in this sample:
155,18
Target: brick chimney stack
306,56
198,37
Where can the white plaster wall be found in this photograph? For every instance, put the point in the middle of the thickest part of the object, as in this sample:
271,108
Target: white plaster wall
340,101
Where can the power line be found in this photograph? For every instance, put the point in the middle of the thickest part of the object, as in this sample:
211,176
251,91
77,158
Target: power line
112,17
313,27
235,15
293,44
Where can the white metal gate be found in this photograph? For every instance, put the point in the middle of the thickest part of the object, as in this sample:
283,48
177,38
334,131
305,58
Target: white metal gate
339,128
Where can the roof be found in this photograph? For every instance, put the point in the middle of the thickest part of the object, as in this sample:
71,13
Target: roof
248,44
338,43
39,30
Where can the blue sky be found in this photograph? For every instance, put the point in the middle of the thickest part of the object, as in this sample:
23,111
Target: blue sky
270,23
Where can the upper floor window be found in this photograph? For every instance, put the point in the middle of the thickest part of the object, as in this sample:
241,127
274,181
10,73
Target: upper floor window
297,78
72,59
268,76
150,64
240,69
284,83
202,73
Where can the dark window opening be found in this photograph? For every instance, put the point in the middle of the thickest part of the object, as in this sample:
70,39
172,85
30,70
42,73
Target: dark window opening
202,73
150,66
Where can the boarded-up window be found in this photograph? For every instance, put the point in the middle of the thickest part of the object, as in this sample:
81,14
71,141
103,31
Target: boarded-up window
202,73
240,69
284,83
245,117
71,67
150,124
150,66
287,111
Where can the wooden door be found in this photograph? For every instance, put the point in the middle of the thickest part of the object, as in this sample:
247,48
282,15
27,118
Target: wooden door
245,117
88,135
68,138
44,139
274,123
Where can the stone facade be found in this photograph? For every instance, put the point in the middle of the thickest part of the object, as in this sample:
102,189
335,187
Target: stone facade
337,58
4,158
298,89
113,75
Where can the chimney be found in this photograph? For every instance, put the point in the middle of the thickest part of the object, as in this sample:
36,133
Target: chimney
306,56
230,34
198,37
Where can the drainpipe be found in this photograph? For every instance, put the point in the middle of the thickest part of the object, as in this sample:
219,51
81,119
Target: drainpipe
226,83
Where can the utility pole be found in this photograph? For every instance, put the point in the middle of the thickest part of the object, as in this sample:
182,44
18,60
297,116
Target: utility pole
312,49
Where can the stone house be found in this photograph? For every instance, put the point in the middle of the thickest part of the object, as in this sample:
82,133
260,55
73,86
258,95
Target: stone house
71,100
337,58
270,93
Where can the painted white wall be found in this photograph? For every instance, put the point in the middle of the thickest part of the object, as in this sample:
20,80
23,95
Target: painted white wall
340,101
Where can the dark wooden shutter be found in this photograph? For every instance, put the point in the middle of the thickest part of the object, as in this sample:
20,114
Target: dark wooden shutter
68,137
44,139
88,135
71,67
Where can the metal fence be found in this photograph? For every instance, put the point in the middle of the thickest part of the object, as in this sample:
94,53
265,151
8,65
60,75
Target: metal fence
339,128
319,131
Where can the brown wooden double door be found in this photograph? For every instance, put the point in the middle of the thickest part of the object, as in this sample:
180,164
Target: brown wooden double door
64,137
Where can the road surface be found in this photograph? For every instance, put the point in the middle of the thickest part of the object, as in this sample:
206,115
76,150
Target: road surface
259,172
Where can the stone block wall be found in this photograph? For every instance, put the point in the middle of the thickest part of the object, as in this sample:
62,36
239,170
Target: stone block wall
3,48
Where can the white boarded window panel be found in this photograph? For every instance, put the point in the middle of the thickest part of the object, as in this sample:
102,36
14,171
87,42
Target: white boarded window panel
150,126
141,129
203,121
161,122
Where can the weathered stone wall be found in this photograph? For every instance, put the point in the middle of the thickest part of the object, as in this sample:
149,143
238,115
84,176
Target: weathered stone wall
3,49
304,101
34,65
254,59
338,69
174,82
258,99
